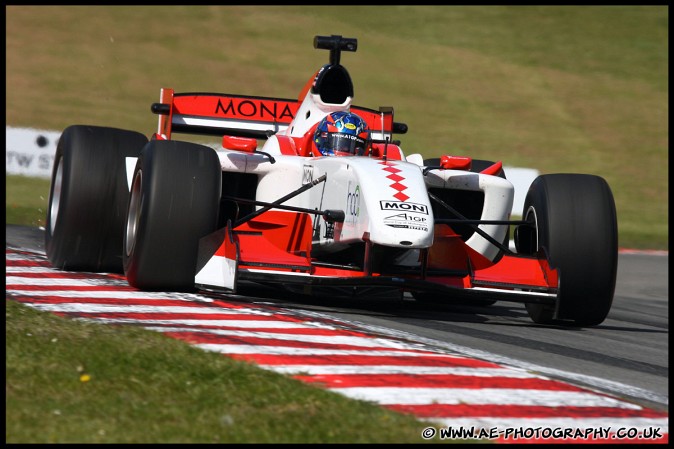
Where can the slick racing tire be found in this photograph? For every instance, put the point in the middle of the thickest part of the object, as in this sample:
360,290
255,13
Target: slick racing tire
575,228
175,194
88,198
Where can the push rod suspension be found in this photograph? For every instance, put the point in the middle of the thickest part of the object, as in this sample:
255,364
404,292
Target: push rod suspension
280,201
472,223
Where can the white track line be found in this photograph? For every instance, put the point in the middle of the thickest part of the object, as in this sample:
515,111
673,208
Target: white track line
366,342
255,324
481,396
398,369
288,350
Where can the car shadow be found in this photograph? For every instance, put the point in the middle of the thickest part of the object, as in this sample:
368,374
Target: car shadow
389,306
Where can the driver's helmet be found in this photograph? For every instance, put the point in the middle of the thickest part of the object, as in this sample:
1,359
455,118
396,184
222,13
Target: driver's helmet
342,134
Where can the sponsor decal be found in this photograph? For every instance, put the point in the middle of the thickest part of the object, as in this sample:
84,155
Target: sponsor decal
257,109
353,202
350,137
407,221
407,217
403,206
308,174
413,227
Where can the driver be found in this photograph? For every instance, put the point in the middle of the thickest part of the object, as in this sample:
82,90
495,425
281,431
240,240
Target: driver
342,134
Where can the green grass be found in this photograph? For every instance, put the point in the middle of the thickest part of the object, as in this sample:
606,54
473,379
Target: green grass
26,200
558,88
143,387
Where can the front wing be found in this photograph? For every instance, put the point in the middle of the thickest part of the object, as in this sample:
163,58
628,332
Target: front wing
276,249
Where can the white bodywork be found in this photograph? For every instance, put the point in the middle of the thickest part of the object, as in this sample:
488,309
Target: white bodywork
385,202
391,212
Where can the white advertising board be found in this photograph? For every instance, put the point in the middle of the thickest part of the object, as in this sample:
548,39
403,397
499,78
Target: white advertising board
30,152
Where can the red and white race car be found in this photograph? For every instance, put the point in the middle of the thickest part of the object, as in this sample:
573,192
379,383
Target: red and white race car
268,207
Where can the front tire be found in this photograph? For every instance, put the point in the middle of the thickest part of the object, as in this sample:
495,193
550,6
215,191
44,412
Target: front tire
88,198
575,229
174,202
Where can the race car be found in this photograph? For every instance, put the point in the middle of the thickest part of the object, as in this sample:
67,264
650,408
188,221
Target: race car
266,206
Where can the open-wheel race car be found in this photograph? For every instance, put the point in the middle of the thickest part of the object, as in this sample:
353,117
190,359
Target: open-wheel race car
271,206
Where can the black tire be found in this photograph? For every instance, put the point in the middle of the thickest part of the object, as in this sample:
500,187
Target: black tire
576,230
88,198
174,202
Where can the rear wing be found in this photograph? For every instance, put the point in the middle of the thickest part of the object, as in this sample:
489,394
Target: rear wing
248,116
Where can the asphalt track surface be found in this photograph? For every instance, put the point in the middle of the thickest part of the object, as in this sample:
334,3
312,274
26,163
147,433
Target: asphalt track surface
626,356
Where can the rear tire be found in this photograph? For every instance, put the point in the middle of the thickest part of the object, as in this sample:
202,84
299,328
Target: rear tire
88,198
174,202
576,230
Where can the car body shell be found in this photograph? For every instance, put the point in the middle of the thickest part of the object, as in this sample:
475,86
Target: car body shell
383,198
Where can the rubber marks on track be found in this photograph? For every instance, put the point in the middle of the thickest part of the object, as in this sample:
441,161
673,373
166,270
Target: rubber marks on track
444,388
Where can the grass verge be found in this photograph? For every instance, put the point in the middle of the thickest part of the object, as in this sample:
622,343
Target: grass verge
81,382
